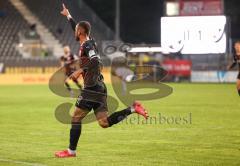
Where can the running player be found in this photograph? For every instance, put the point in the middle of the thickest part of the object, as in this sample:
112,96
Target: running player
67,62
236,61
90,64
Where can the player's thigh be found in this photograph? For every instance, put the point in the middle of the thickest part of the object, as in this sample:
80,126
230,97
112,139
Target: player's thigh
238,84
101,117
79,114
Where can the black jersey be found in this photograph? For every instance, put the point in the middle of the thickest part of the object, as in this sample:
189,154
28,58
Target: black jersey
91,63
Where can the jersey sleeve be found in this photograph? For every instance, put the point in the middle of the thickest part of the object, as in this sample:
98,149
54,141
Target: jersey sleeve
73,23
90,50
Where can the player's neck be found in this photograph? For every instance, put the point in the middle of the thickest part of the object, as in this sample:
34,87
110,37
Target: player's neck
83,40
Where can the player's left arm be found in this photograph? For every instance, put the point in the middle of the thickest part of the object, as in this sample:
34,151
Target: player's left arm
76,74
92,52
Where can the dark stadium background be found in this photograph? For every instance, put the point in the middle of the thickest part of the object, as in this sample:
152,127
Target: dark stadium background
140,23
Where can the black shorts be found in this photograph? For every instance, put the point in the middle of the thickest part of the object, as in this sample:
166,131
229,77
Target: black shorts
93,98
238,77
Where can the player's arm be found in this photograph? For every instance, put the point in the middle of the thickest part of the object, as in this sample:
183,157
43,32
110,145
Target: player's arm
76,74
65,12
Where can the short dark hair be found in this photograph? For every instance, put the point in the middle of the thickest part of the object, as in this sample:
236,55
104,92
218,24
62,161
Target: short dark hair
86,26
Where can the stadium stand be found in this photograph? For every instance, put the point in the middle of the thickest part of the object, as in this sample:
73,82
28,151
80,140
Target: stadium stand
50,16
10,25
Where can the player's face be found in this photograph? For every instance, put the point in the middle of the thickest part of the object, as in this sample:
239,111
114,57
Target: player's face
78,32
66,50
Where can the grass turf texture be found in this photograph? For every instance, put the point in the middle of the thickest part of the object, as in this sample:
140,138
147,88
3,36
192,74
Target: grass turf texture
30,134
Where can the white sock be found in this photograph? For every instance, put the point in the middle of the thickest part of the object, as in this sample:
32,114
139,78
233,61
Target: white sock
132,110
71,151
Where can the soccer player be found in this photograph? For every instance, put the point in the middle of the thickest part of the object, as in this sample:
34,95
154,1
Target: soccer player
90,69
236,61
67,62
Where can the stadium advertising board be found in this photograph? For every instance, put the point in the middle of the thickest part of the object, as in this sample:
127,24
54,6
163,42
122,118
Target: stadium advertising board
201,7
194,35
214,76
178,67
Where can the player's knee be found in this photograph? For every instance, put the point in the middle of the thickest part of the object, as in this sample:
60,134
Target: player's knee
103,123
77,117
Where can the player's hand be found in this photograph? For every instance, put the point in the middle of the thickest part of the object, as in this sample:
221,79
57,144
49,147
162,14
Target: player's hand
76,74
65,11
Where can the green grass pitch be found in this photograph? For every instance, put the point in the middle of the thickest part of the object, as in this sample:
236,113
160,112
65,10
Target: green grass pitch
207,134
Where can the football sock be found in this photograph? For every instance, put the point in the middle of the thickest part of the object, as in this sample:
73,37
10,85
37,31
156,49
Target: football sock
239,92
75,133
71,151
117,117
78,85
68,86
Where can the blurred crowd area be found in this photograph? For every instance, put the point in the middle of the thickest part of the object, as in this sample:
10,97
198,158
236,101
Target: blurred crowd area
33,36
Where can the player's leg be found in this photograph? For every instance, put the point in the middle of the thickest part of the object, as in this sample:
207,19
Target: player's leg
102,119
78,84
69,89
76,128
75,133
67,74
68,86
101,110
105,121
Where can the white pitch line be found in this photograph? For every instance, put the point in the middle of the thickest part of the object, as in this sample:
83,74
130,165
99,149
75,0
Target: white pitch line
21,162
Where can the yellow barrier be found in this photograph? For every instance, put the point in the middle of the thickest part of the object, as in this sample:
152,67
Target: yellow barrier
27,79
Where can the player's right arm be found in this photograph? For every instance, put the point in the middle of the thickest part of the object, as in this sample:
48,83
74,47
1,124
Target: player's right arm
65,12
76,74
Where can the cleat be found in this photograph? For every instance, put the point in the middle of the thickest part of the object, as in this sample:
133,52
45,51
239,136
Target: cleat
139,109
64,154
